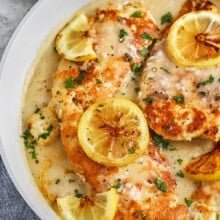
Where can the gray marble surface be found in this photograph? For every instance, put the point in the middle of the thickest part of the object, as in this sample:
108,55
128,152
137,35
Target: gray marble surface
12,206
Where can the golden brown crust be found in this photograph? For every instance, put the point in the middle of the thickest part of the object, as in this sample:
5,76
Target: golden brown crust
167,119
205,164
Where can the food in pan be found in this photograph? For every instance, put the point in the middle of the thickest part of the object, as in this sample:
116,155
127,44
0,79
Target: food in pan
131,125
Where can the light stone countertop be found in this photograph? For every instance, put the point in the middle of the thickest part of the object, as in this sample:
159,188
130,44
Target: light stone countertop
12,206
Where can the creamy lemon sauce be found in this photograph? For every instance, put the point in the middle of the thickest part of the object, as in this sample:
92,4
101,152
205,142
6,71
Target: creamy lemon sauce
53,159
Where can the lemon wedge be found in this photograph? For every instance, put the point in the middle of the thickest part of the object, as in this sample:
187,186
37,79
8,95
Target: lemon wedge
72,42
205,167
103,206
194,39
113,132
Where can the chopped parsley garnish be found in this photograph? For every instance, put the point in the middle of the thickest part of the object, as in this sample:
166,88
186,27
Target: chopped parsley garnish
122,34
46,134
179,161
136,14
128,57
166,18
77,193
79,79
71,82
144,52
98,81
160,142
57,181
131,150
188,202
136,67
206,82
217,217
179,99
117,184
27,134
148,100
161,185
147,36
180,174
30,143
165,70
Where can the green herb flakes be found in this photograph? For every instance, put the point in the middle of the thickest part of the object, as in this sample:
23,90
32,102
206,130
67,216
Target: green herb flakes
117,184
188,202
147,36
161,185
30,143
180,174
122,34
144,52
136,68
166,18
136,14
179,99
46,134
160,142
77,193
69,83
179,161
72,82
210,80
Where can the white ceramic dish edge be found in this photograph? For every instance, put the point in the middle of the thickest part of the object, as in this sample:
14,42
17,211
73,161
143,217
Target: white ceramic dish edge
12,152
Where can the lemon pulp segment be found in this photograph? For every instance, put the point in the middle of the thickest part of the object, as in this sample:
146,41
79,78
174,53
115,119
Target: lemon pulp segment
113,132
194,39
103,206
205,167
72,41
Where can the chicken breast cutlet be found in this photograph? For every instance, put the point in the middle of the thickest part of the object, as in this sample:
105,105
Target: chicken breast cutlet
181,103
119,41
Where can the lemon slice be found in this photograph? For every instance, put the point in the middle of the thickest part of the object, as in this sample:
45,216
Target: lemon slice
72,41
103,206
194,39
205,167
113,132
